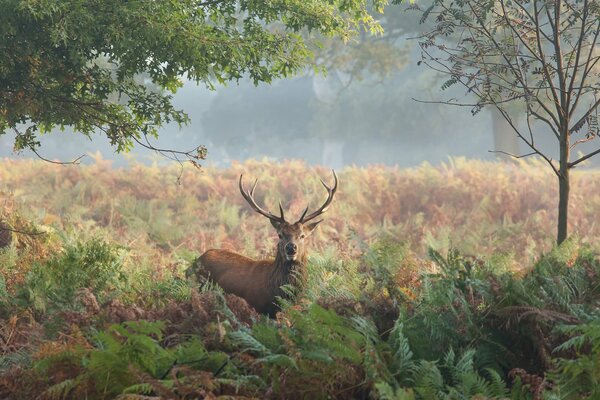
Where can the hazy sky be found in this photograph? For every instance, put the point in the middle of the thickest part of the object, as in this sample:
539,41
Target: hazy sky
372,123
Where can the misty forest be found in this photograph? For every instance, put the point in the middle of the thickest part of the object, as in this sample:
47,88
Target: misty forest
300,199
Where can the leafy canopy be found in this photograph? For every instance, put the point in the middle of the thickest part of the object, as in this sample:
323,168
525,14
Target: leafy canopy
113,65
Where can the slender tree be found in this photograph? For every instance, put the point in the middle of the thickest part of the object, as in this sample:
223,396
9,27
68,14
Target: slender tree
540,54
111,66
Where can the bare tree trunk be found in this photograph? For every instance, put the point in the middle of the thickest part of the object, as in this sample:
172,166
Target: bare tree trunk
505,138
564,187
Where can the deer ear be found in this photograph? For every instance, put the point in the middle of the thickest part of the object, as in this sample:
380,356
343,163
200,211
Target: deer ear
310,228
276,224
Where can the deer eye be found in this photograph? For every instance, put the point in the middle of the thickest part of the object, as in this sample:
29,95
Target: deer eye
280,235
302,236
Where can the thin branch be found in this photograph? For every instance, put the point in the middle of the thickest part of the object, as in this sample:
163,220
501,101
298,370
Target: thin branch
510,65
36,233
548,122
450,103
73,162
577,126
586,70
530,144
578,52
589,136
582,159
32,148
197,153
193,156
533,153
544,64
564,107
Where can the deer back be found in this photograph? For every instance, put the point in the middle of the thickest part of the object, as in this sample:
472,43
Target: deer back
239,275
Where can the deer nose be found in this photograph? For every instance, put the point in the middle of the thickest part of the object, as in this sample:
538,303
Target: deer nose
291,248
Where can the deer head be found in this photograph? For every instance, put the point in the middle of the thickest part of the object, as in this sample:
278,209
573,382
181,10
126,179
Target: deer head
291,246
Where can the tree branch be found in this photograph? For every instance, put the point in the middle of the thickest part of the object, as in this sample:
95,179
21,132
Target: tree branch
578,53
586,70
582,159
577,126
513,155
32,148
544,63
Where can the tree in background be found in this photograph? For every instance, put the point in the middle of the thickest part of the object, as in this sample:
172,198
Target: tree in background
112,66
384,58
361,111
539,54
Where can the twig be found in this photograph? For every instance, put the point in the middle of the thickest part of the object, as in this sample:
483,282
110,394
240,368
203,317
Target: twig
4,228
513,155
32,148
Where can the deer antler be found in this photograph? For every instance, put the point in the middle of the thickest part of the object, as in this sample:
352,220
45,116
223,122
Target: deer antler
249,196
330,193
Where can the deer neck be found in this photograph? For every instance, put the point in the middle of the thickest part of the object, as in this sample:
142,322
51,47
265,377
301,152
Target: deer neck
286,272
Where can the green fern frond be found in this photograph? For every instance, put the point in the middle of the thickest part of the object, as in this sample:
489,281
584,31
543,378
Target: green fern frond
402,364
497,386
247,343
280,360
60,390
139,388
387,392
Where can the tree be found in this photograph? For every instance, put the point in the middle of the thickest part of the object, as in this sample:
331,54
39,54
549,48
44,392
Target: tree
540,54
113,65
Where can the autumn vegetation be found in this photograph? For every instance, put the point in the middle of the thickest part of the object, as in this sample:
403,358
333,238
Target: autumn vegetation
436,282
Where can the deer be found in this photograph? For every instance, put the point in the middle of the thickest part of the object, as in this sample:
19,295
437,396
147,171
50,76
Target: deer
260,282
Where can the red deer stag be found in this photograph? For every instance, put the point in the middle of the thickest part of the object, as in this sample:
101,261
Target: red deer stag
260,281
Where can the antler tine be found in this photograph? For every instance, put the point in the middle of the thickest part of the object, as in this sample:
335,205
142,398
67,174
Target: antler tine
249,197
325,206
281,211
303,214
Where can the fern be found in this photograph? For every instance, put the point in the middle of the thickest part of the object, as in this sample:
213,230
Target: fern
455,378
402,364
248,343
579,377
94,264
387,392
60,390
139,388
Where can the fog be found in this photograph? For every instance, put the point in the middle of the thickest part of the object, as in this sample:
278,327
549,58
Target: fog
331,120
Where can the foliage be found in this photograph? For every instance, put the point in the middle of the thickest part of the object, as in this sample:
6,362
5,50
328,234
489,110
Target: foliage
480,208
113,66
579,377
128,359
93,265
310,346
104,310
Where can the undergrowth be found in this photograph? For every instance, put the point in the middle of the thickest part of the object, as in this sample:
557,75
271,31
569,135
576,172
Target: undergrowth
95,304
364,329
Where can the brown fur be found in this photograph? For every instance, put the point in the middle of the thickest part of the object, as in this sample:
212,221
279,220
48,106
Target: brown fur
259,282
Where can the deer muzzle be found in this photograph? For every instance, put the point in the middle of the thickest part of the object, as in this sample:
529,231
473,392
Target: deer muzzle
291,250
